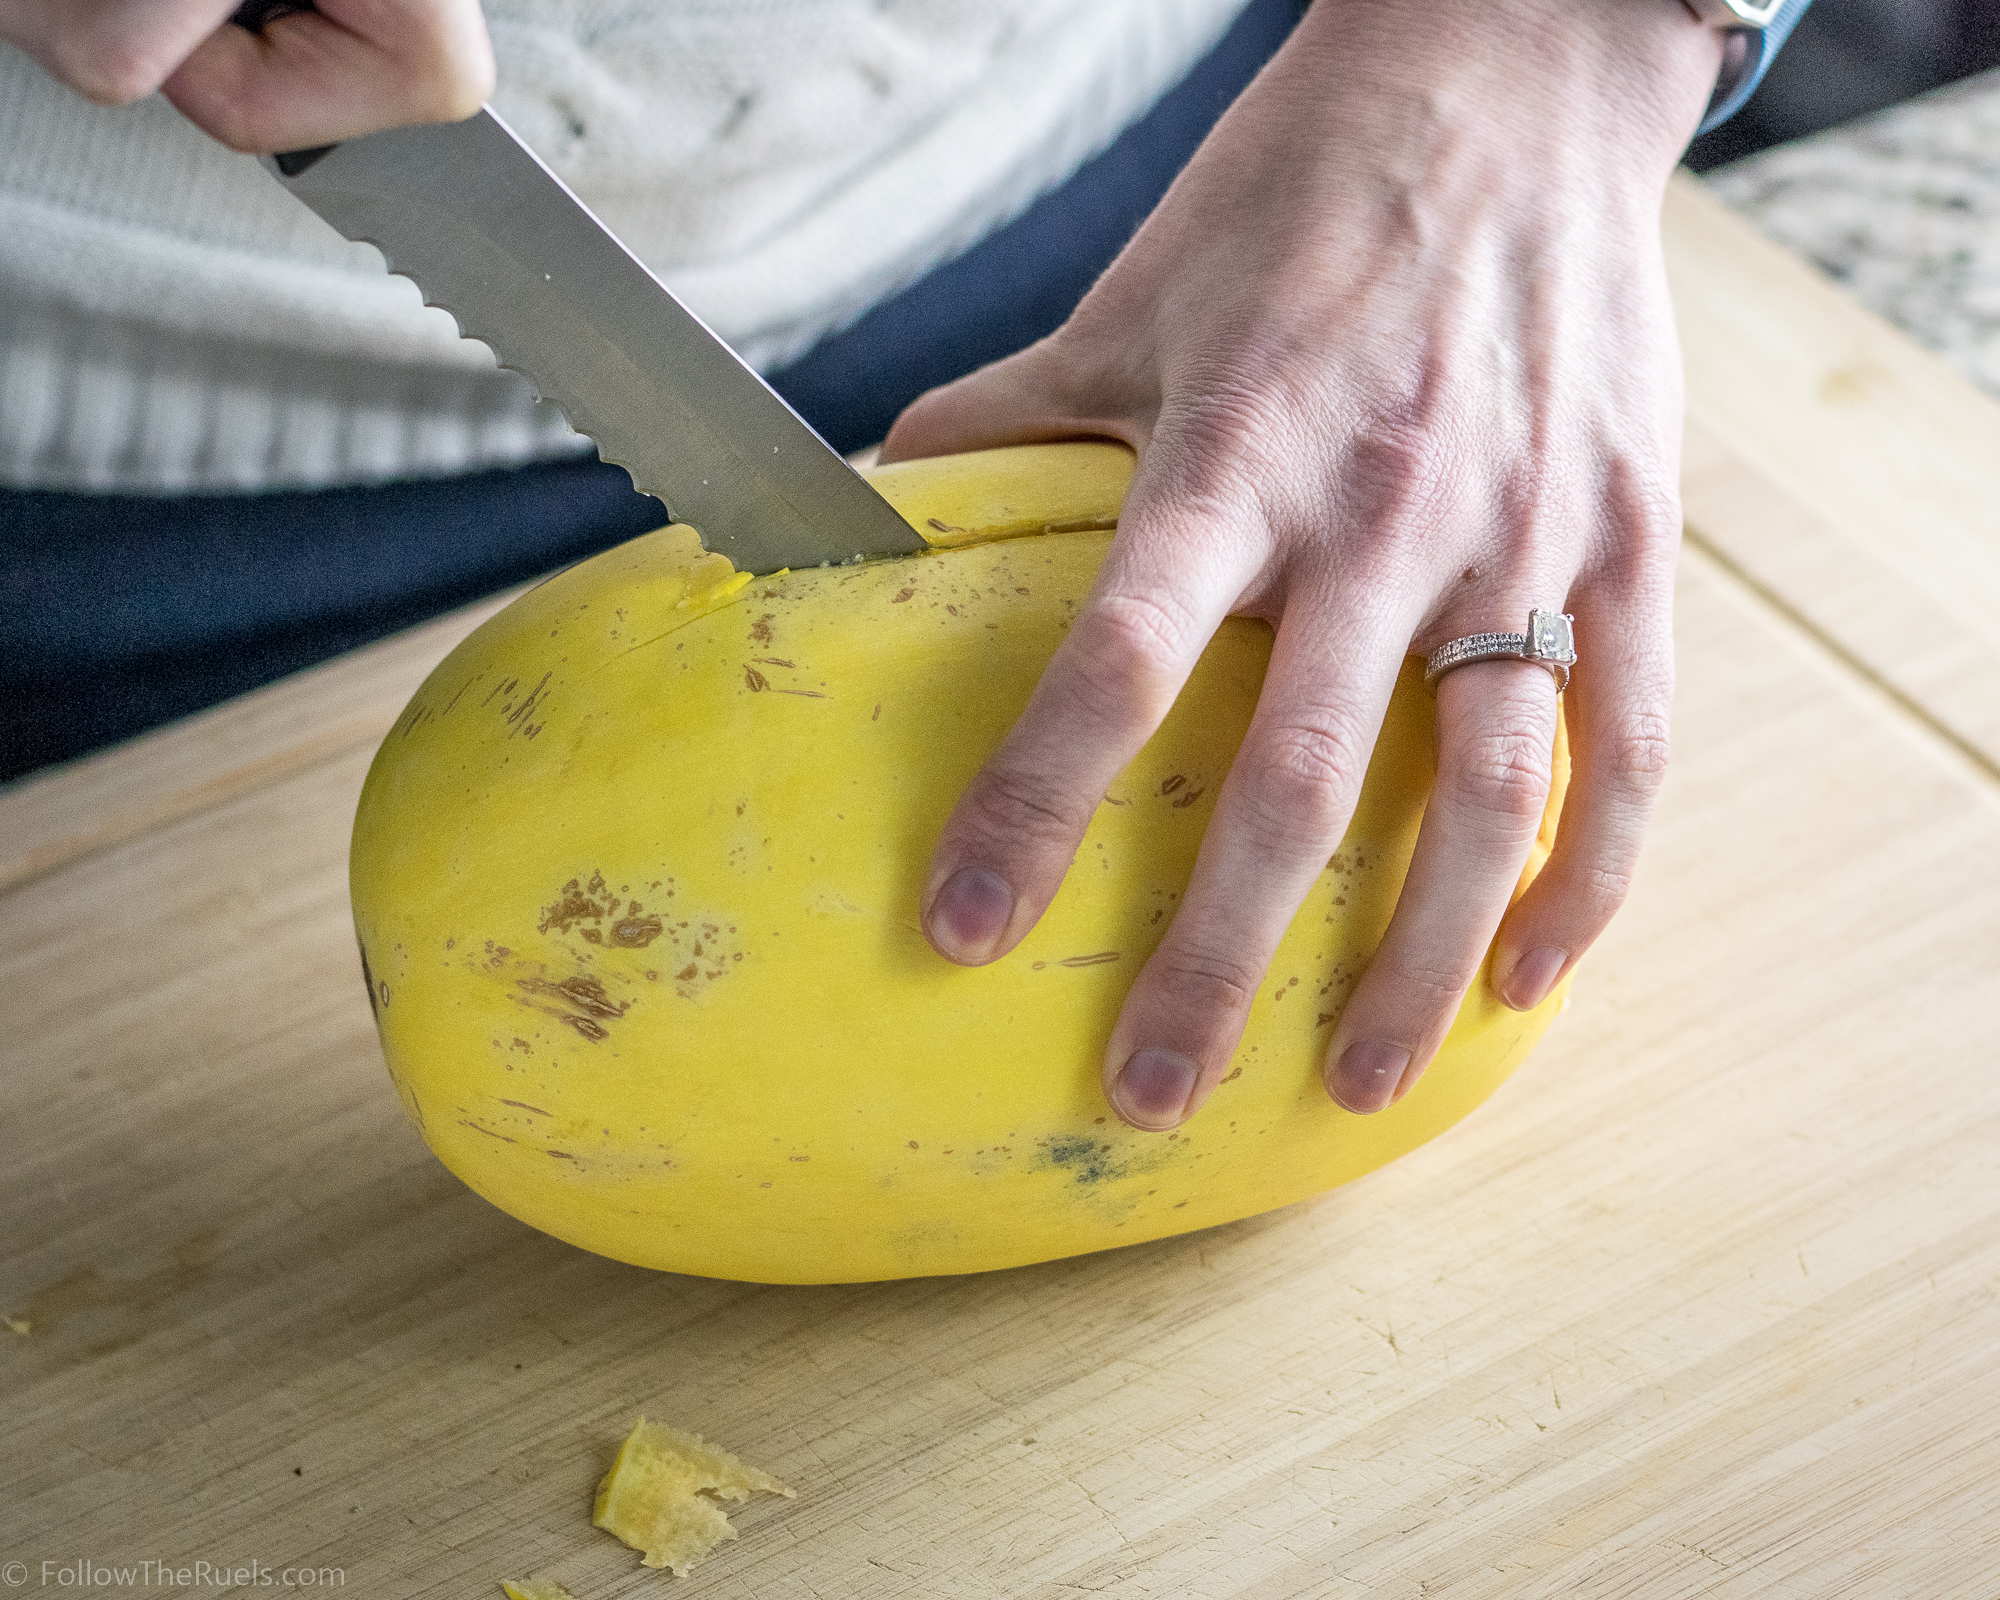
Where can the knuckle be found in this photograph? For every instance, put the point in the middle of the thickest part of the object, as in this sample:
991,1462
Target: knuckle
1505,777
1605,887
1432,988
1217,425
1395,458
1225,437
1008,806
1639,753
1399,469
1302,772
1130,648
1203,982
109,74
1646,499
1146,628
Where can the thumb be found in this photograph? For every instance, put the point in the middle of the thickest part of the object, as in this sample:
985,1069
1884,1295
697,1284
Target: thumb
1031,397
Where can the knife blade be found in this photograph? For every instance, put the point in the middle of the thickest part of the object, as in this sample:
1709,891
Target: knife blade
490,234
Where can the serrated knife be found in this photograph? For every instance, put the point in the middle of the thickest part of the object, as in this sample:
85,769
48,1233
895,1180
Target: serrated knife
490,234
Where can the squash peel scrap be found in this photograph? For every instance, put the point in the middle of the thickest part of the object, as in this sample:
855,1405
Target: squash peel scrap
534,1589
655,1497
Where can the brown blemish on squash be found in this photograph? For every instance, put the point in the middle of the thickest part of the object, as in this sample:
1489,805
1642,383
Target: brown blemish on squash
578,1002
576,903
517,715
584,992
757,683
368,981
591,913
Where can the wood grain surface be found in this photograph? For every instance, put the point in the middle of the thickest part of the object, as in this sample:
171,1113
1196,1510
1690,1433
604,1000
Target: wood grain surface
1704,1303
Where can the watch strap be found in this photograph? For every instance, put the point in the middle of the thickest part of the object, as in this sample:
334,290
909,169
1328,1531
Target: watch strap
1748,53
1735,13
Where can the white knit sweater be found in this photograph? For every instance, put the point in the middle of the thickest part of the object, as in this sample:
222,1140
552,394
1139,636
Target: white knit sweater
172,320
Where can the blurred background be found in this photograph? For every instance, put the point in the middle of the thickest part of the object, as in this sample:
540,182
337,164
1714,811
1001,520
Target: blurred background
1850,57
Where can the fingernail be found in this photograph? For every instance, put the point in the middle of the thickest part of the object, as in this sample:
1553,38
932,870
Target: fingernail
970,914
1533,976
1152,1089
1366,1077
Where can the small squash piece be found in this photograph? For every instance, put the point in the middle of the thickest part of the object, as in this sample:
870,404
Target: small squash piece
656,1495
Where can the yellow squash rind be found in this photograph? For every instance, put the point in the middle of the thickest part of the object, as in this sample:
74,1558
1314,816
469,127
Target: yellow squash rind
635,879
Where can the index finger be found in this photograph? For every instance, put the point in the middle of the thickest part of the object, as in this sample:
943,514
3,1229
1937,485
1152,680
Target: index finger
337,71
1110,684
116,51
1289,796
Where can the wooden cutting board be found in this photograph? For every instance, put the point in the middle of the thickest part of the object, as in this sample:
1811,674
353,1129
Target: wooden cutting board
1705,1302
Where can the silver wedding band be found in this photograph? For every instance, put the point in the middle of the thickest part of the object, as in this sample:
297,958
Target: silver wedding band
1549,642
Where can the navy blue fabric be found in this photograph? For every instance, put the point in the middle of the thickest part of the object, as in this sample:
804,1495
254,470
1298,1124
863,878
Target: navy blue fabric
119,612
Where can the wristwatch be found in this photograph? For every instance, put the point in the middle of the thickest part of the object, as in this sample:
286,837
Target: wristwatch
1754,15
1752,31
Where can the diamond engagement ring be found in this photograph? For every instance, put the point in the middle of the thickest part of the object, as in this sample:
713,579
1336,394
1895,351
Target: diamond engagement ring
1548,643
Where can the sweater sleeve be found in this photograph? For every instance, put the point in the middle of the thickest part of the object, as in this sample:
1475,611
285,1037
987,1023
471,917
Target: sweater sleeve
1740,78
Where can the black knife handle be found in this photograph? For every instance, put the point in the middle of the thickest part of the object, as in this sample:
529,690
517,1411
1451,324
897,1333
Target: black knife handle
256,15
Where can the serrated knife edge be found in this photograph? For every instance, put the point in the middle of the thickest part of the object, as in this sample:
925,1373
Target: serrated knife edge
495,239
